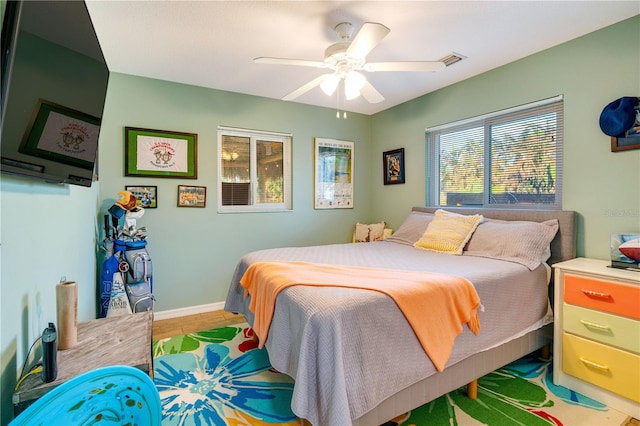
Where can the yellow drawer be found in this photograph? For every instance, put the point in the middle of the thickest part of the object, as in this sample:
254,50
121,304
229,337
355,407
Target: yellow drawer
603,327
610,368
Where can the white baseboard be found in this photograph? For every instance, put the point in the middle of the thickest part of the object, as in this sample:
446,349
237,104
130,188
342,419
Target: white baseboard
190,310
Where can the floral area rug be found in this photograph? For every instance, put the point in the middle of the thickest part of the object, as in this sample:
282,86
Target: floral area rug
521,393
219,377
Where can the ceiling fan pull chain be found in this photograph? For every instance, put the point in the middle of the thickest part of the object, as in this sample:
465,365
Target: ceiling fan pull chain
338,101
344,103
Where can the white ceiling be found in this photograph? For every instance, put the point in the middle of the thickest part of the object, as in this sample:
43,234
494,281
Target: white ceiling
212,43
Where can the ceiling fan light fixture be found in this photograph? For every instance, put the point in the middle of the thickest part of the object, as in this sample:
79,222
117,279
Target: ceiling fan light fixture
330,84
353,84
349,55
351,94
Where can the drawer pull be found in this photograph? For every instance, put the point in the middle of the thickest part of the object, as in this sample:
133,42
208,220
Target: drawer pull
594,325
594,364
596,294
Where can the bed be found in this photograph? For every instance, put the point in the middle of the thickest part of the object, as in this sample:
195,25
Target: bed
354,357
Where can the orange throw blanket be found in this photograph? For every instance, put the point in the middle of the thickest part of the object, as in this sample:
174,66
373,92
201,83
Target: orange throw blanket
435,305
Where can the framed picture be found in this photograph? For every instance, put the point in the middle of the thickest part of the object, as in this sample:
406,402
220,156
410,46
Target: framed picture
333,174
393,166
62,134
625,144
192,196
146,196
160,153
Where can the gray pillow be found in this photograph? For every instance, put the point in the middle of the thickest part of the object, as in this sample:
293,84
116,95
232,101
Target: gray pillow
412,228
526,243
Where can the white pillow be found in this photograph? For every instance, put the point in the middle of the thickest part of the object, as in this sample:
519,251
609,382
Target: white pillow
367,233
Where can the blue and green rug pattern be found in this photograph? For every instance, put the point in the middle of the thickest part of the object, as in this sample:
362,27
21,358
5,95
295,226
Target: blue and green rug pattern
219,377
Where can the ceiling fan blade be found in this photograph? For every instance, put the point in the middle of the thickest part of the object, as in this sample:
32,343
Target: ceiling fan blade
305,88
284,61
404,66
371,94
367,38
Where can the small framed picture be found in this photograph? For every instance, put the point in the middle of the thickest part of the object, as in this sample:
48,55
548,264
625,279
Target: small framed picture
192,196
146,196
625,143
393,166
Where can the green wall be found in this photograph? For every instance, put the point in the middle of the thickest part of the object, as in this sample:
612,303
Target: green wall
591,71
194,251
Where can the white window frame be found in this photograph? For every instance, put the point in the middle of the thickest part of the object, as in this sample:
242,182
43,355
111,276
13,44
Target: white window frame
432,174
254,136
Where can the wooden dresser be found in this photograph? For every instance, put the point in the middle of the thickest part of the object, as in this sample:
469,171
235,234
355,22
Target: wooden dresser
597,332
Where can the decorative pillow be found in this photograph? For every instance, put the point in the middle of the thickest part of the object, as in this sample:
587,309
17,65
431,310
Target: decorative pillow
367,233
412,228
448,232
526,243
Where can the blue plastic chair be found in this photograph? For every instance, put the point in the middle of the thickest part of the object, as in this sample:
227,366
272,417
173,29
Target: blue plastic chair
115,395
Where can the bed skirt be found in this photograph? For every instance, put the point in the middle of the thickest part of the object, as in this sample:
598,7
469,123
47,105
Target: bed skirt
456,375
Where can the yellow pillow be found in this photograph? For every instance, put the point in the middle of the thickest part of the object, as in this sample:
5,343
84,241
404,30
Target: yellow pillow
448,232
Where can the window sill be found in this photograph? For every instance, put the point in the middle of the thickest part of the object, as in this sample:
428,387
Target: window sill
254,210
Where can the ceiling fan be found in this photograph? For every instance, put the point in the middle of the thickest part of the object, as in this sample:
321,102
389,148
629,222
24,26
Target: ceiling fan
346,59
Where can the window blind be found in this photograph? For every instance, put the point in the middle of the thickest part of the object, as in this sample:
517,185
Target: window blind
502,158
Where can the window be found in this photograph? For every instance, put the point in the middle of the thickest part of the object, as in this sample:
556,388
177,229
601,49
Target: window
254,170
511,158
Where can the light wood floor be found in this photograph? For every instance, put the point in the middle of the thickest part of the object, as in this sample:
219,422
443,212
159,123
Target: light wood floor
192,323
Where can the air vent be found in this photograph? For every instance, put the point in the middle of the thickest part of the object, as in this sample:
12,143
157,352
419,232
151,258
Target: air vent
452,58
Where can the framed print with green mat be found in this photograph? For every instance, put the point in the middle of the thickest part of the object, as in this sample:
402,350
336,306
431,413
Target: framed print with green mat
160,153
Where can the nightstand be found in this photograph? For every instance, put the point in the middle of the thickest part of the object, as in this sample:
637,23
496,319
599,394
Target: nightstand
596,343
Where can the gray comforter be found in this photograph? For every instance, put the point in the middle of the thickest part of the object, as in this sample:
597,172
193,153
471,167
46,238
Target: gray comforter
350,349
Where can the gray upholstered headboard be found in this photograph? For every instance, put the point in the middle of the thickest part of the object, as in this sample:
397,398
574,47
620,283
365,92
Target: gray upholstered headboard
563,246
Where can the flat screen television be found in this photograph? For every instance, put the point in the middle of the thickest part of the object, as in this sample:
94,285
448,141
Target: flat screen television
54,83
